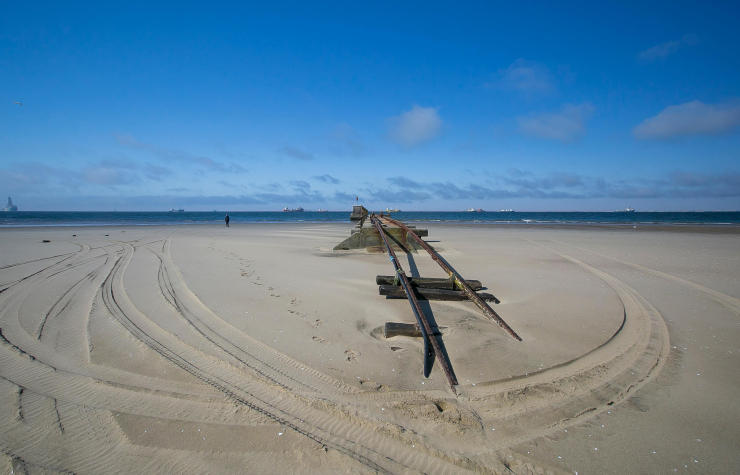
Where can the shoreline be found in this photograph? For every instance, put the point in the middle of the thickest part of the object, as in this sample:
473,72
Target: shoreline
709,228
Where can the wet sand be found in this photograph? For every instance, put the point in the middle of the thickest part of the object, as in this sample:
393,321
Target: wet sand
256,349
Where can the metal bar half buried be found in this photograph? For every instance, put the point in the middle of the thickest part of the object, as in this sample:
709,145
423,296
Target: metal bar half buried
421,319
458,280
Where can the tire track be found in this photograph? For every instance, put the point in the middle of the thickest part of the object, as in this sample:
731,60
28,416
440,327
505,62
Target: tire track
376,451
565,394
730,302
265,361
34,260
16,337
91,443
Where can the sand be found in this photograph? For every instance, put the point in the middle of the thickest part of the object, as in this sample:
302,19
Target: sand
255,349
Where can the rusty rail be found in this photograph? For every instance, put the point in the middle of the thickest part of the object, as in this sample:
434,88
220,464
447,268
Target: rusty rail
421,319
458,280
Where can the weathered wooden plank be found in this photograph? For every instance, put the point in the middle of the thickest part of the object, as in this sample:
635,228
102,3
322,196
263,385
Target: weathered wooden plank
428,282
406,329
394,291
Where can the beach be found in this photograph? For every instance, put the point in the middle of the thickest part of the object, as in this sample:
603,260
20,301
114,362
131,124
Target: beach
257,349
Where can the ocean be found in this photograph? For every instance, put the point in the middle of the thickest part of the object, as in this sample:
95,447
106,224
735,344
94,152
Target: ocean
143,218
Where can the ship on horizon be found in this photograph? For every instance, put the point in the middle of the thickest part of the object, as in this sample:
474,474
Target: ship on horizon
298,209
626,210
10,206
173,210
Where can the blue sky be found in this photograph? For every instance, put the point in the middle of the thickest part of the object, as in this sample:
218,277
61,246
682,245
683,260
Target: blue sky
423,106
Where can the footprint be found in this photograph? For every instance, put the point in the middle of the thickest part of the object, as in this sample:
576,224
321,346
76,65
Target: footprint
294,312
350,355
257,283
321,340
271,288
373,385
274,295
319,322
396,348
295,302
246,274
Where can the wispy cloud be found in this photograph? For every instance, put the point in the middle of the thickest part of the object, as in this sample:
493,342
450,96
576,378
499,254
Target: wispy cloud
524,184
342,197
415,127
155,172
691,118
404,182
528,77
173,155
326,179
107,175
40,177
344,141
300,185
555,180
567,125
509,185
386,195
668,48
226,184
296,153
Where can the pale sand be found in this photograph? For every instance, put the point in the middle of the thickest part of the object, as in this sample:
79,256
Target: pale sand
255,349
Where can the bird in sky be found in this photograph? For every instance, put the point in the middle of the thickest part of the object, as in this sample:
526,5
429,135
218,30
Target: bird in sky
19,103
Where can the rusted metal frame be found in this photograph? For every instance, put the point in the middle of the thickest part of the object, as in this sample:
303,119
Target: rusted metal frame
426,330
409,293
459,281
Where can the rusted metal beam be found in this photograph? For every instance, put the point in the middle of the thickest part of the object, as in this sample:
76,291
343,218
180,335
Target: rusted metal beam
459,281
421,319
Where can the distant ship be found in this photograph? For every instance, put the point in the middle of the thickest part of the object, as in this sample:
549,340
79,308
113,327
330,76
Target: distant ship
322,210
392,210
475,210
626,210
173,210
507,210
298,209
10,206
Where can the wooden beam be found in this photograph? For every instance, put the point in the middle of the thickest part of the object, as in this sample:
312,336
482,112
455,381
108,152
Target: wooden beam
428,282
394,291
406,329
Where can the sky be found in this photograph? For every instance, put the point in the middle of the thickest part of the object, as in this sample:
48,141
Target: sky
550,106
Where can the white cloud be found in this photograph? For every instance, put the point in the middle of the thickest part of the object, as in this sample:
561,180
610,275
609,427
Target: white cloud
666,49
565,126
525,76
691,118
414,127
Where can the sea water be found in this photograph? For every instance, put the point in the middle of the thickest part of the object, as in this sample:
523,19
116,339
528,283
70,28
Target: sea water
97,218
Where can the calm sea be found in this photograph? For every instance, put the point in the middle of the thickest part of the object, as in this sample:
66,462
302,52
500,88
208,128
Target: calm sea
72,218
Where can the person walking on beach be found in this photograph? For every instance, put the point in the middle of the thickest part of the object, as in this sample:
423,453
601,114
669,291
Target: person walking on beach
227,220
